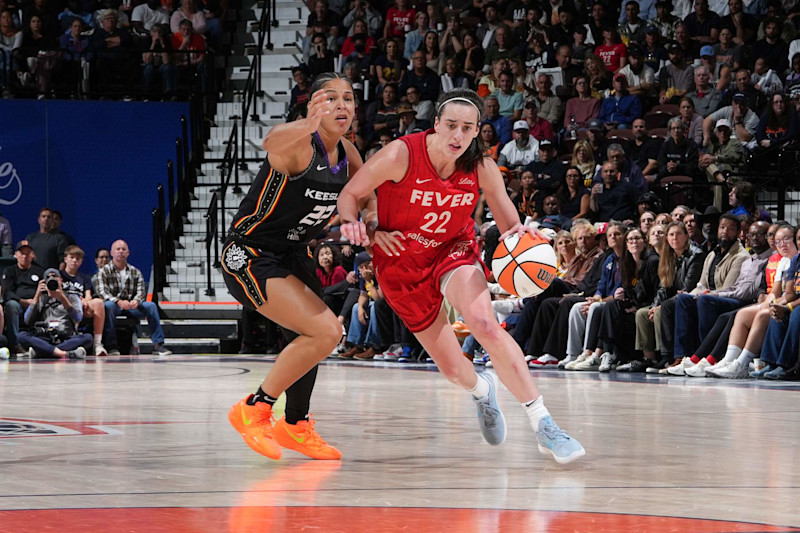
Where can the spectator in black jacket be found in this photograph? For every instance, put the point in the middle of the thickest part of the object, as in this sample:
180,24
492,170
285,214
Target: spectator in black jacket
421,77
679,155
19,285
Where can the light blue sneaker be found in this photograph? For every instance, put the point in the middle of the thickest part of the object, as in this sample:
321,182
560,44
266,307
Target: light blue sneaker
491,420
554,440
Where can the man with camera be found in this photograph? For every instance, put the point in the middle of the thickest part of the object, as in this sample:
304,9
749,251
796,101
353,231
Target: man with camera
52,319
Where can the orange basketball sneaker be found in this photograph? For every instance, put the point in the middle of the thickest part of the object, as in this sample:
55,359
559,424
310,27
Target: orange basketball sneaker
254,424
302,437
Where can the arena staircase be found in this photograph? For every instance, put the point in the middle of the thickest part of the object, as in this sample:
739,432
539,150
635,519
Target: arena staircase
198,320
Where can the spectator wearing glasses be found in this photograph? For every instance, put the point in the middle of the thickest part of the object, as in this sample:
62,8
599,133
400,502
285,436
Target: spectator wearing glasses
679,155
421,77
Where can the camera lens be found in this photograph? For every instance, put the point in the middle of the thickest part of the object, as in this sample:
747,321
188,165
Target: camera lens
51,284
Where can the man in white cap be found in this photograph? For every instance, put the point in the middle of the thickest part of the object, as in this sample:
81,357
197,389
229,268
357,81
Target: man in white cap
725,154
521,150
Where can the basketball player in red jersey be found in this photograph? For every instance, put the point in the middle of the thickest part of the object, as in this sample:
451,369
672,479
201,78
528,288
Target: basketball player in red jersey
427,188
267,267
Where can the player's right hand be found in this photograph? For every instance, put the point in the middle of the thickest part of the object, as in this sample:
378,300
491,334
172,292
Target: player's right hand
389,242
319,106
356,233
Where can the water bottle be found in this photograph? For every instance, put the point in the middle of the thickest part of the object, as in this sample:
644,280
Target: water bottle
573,127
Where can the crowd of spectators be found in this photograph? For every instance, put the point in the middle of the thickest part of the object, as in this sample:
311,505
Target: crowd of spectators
50,308
108,47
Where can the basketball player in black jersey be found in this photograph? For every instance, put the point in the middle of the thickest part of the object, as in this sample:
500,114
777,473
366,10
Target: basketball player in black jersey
267,267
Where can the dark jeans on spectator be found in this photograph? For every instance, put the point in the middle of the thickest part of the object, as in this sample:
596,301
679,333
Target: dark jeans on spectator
334,296
715,343
167,73
668,328
145,310
390,326
781,342
350,300
13,312
522,332
43,347
540,342
695,318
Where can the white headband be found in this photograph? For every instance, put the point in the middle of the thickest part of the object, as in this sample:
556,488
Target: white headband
461,99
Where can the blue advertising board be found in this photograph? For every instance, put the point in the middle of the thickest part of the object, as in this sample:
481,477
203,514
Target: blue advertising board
97,162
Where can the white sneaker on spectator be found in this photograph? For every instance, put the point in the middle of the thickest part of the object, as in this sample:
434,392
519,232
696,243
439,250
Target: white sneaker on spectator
680,368
711,370
78,353
736,370
392,354
607,362
114,351
30,354
100,350
698,370
545,360
567,360
591,362
575,362
529,358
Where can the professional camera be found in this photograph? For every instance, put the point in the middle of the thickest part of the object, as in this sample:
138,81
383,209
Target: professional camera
51,281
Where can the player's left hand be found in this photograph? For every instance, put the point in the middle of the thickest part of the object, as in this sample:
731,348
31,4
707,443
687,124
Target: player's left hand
389,241
520,229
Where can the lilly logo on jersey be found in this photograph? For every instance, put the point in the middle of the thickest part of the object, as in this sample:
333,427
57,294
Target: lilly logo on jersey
466,181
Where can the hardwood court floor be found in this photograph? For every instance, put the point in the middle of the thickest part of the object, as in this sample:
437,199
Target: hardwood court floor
144,445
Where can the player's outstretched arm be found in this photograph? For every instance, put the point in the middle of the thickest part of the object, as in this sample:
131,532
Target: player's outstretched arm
390,163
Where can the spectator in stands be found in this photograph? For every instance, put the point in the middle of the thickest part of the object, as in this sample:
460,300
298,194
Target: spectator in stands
597,23
122,287
521,151
510,100
596,135
332,275
37,57
631,26
363,10
60,312
664,22
189,41
691,120
583,159
407,121
627,170
679,155
725,155
502,48
725,55
359,56
389,66
647,219
421,77
574,195
552,217
74,47
613,53
157,61
56,221
568,72
644,151
655,55
792,82
416,37
471,57
548,172
598,76
321,59
48,246
756,100
564,245
490,140
359,28
189,11
703,24
320,15
114,62
10,39
79,284
620,109
301,91
579,49
47,15
743,120
147,15
613,199
743,26
453,76
540,128
382,114
561,32
525,200
101,258
742,200
705,97
582,107
778,125
640,77
675,78
19,285
765,79
364,338
549,104
501,124
75,9
398,17
423,109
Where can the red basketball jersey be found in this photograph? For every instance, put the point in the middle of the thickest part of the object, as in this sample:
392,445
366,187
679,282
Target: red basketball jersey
435,215
429,210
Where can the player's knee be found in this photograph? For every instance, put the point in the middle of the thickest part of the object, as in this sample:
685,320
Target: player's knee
330,333
485,329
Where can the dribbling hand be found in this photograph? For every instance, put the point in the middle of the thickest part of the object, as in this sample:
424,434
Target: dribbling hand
356,233
519,230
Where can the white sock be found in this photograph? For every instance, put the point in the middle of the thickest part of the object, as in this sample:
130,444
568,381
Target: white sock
98,339
732,353
536,411
480,390
746,356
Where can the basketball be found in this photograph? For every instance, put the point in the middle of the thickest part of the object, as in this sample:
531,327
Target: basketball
524,266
